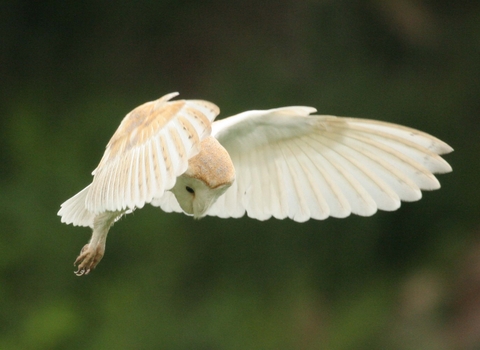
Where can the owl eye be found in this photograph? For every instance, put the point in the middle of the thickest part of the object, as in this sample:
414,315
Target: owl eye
189,189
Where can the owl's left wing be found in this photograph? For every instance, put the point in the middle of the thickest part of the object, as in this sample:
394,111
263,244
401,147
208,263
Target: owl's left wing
292,164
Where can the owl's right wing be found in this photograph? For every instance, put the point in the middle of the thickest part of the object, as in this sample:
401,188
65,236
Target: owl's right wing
292,164
150,148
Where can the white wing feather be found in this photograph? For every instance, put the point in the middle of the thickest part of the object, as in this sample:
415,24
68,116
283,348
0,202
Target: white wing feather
73,210
150,148
292,164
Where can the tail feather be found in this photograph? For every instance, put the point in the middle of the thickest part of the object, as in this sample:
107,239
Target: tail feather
73,211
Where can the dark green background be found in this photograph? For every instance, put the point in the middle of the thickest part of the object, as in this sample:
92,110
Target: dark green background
70,71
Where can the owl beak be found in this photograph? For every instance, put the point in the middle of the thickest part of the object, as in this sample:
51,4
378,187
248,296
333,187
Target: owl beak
199,213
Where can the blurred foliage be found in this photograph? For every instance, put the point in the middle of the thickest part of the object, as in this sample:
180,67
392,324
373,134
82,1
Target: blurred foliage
70,71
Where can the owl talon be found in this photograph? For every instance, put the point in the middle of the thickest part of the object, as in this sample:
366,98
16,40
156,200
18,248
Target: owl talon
89,258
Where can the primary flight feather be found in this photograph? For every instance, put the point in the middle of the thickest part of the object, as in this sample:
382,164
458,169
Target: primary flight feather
282,162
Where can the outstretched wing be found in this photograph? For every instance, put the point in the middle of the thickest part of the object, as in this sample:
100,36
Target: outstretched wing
150,148
292,164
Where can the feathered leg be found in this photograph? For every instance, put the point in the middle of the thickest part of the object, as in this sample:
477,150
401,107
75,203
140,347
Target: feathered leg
92,253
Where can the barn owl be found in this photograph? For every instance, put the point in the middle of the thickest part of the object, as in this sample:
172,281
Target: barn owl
282,162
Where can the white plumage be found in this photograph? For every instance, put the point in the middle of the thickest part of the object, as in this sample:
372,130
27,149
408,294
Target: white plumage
282,162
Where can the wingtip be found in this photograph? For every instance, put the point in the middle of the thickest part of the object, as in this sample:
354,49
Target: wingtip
168,97
164,99
445,148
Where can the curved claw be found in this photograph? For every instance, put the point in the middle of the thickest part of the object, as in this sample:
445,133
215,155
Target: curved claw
81,272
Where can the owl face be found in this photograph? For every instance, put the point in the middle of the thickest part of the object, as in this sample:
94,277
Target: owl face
209,174
195,196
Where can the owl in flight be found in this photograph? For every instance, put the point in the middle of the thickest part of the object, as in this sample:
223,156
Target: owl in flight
282,162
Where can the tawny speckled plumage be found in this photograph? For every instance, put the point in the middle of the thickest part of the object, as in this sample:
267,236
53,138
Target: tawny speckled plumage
282,162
